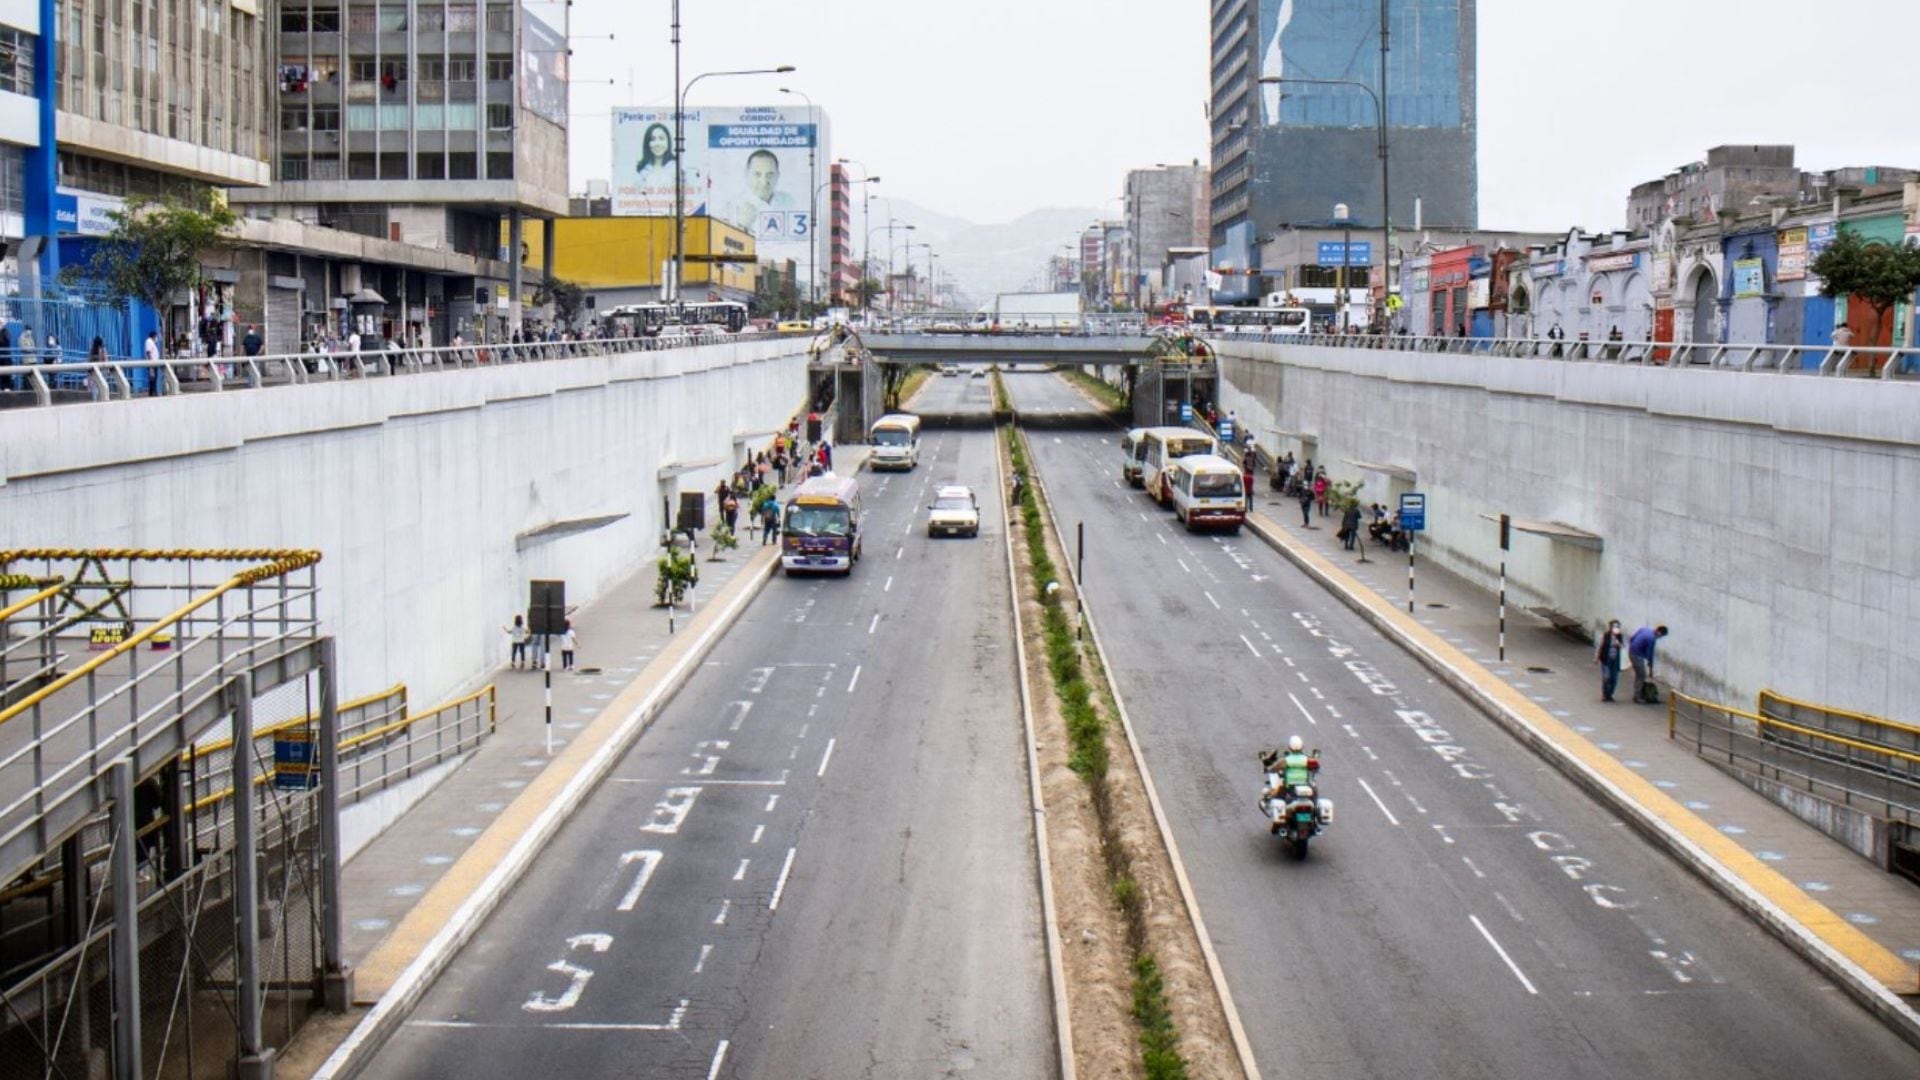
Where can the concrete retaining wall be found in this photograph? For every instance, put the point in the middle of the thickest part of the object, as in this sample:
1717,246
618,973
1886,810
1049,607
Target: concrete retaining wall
427,494
1767,519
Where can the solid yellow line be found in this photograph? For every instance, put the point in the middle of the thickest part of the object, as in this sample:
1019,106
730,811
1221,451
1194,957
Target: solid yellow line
1872,957
375,975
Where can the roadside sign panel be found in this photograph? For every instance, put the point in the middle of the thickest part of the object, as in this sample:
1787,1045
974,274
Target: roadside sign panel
1413,511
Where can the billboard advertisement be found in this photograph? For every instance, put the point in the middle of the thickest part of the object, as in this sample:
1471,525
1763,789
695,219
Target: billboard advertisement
642,181
543,68
751,166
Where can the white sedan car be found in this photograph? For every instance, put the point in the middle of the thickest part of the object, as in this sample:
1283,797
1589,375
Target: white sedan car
955,512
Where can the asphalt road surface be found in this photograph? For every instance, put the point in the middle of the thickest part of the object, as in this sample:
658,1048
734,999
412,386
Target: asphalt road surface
819,860
1470,913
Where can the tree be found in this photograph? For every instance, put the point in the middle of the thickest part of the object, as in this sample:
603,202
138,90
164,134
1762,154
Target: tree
864,292
1877,274
155,247
566,297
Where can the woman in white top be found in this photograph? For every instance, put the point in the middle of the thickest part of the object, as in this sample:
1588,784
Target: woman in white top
568,639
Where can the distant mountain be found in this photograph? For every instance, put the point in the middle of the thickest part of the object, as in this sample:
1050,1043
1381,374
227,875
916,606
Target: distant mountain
990,259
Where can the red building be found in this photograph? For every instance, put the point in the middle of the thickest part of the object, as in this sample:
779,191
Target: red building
843,274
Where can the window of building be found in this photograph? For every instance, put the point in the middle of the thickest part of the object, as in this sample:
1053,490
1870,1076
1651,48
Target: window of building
1328,277
430,117
499,68
460,69
500,165
393,165
462,166
16,61
324,20
430,166
293,118
461,116
432,67
500,19
462,19
326,118
499,117
362,19
293,167
363,69
362,167
432,19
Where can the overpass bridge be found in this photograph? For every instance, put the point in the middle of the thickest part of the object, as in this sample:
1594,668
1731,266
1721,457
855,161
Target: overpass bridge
972,349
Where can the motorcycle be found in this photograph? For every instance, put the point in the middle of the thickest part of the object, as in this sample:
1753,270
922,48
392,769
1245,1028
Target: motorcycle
1297,814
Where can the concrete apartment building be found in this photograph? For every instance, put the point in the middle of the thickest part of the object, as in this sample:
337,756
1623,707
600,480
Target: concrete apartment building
422,124
1166,208
1744,179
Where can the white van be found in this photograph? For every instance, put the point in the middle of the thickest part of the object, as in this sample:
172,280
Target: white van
896,442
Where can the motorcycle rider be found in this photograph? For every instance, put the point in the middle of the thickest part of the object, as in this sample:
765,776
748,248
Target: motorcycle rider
1291,771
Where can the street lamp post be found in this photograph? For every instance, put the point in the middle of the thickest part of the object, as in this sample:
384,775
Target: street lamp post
893,301
1380,118
813,202
680,93
927,304
1341,215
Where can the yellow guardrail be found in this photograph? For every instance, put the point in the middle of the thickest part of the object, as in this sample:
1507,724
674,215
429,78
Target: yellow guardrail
1763,722
266,775
1860,717
48,593
280,562
193,753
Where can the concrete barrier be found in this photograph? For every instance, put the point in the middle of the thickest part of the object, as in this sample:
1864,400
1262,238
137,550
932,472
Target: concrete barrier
435,499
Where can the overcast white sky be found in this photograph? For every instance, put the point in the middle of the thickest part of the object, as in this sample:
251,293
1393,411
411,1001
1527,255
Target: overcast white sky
986,109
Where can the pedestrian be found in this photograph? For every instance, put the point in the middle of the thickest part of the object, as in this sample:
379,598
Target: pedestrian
826,456
568,642
157,382
97,352
1246,478
1306,506
1350,525
769,521
517,636
729,509
1613,648
253,342
7,358
1640,650
1320,488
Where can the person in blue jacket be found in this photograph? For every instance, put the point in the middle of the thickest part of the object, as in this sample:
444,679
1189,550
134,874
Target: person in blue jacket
1640,652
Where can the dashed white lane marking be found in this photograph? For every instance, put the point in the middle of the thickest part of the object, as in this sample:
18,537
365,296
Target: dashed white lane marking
888,587
701,964
1511,966
1368,750
1477,872
721,918
824,758
1210,598
780,886
1302,708
719,1059
772,801
875,624
1183,564
1250,647
758,832
1143,515
901,554
740,872
1290,662
1368,788
804,727
1160,538
855,681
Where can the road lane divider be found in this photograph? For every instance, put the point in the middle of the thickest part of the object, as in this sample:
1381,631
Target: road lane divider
403,967
1242,1050
1049,917
1868,972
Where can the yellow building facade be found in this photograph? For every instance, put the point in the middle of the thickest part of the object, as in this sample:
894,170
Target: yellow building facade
617,256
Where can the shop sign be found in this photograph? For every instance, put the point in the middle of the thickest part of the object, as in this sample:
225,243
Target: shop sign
1547,269
1749,278
1793,256
1626,260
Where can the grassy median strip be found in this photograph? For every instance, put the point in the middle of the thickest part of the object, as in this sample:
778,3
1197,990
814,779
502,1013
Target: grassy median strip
1073,674
1108,394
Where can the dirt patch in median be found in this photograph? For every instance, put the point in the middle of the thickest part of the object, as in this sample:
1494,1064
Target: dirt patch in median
1094,928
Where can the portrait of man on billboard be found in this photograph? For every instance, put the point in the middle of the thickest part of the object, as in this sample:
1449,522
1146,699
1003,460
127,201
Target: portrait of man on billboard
763,193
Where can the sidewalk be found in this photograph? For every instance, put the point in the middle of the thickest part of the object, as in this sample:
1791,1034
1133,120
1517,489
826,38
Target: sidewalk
1557,673
625,648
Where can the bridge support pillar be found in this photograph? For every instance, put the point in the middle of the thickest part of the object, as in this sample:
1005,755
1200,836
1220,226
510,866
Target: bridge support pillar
336,978
125,887
255,1060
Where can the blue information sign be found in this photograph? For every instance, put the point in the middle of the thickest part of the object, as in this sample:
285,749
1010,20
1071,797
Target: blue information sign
1335,253
1226,430
294,768
1186,412
1413,511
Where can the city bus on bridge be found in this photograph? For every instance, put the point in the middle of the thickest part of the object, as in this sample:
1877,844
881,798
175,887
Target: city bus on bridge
1252,320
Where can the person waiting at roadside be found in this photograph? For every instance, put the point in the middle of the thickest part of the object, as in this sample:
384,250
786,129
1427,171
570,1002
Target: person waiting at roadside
517,636
1613,648
1640,649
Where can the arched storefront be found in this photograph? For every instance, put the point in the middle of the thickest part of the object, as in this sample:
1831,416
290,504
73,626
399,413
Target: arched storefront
1700,297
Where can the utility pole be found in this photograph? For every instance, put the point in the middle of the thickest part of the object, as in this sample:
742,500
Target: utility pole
679,164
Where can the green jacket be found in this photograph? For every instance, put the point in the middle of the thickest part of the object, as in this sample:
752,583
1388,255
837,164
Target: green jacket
1296,771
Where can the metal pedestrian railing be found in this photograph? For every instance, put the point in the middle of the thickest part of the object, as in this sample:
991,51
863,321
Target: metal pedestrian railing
1836,361
1866,764
44,385
129,658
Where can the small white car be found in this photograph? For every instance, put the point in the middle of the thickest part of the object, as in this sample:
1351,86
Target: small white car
955,512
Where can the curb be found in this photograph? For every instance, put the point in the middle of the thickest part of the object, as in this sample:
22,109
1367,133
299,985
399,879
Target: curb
1848,975
1242,1048
1056,965
354,1053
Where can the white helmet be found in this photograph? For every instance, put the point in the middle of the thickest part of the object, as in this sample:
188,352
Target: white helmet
1295,744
